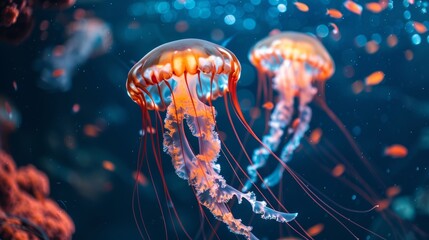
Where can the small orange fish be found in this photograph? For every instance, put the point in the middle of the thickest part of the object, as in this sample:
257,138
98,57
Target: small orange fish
338,170
335,29
108,165
374,7
334,13
268,105
374,78
353,7
396,151
301,6
420,27
315,230
315,136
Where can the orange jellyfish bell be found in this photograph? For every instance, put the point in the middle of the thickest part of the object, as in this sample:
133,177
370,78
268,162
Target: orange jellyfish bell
180,77
269,53
152,79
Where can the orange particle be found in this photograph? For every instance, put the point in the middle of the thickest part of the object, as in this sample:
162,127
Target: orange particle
255,113
301,6
357,87
151,130
15,85
108,165
382,204
58,72
371,47
268,105
274,32
396,151
58,50
315,230
334,13
353,7
392,40
76,108
295,123
393,191
338,170
315,136
374,78
335,29
374,7
91,130
411,1
140,178
420,27
181,26
409,55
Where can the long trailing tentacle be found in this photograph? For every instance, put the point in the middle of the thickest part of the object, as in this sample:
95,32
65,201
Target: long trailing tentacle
201,170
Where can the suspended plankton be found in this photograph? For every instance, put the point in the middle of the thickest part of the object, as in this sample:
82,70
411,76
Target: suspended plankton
296,61
182,78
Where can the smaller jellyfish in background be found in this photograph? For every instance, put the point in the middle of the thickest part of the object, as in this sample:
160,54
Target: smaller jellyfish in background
295,62
16,17
182,78
87,37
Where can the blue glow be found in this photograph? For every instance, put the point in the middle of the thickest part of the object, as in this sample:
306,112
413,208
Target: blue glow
249,24
281,7
322,31
229,19
360,40
407,15
416,39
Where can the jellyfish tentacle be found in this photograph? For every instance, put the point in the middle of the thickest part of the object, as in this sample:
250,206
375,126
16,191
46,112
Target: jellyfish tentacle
306,94
201,170
279,119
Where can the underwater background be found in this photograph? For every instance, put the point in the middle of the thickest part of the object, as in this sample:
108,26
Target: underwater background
72,118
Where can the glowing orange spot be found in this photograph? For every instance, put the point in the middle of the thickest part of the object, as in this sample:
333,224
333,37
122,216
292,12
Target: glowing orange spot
182,26
353,7
357,87
15,85
383,204
255,113
150,130
393,191
374,7
420,27
338,170
91,130
301,6
274,32
268,105
374,78
335,29
396,151
409,55
76,108
79,14
411,1
392,40
8,108
58,72
315,230
371,47
295,123
44,25
334,13
315,136
108,165
58,50
140,178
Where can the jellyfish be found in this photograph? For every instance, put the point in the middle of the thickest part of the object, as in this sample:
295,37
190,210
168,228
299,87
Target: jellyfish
87,37
182,78
296,61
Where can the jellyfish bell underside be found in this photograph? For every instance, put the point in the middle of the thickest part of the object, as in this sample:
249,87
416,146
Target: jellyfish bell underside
182,78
